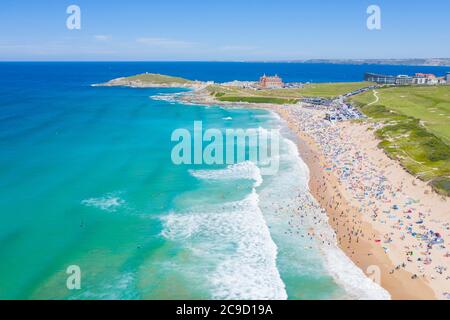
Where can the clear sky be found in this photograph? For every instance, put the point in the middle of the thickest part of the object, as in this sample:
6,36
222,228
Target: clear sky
223,30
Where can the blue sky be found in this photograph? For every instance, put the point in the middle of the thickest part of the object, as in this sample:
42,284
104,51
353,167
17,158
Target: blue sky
222,30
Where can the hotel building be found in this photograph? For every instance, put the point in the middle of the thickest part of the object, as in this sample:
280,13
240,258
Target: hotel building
417,79
267,82
379,78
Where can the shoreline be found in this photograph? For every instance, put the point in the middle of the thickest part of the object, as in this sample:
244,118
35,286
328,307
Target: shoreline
325,188
368,242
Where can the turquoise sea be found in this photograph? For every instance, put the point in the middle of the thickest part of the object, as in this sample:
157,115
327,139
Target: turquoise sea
86,179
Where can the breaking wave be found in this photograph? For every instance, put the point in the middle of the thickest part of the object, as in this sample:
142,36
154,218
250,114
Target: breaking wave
244,170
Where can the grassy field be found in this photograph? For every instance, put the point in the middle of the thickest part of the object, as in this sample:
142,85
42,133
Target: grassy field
331,90
417,130
158,79
284,96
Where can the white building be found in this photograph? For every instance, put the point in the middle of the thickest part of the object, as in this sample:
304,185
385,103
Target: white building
419,80
425,78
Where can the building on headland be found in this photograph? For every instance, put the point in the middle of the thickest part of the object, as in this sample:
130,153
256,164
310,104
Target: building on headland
241,84
428,79
448,77
417,79
270,82
442,80
379,78
387,79
403,80
425,78
420,79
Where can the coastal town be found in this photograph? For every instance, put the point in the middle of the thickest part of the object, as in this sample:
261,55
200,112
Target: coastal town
276,82
337,109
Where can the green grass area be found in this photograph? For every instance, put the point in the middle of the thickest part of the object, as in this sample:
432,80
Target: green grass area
331,90
417,131
430,104
282,96
158,79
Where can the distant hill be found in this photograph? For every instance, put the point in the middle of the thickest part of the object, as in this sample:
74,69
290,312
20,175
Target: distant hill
407,62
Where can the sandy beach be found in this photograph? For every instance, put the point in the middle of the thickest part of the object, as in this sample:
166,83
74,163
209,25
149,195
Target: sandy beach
392,225
383,216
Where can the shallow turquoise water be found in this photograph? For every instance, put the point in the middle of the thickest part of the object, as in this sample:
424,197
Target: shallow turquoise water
86,179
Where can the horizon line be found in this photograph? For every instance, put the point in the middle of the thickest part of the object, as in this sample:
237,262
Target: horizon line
232,60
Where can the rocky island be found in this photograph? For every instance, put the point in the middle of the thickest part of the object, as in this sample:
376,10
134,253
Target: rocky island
153,80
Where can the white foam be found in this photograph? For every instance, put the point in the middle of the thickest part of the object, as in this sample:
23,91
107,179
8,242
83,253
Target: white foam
108,203
237,237
227,118
274,115
270,115
243,170
290,190
293,155
353,279
169,97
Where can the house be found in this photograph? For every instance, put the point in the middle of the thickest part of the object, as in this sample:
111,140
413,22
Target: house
442,80
420,79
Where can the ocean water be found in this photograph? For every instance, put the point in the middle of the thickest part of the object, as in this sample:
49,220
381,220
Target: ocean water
86,179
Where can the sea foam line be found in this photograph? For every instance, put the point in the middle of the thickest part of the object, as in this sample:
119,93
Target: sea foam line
108,203
338,265
236,235
243,170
